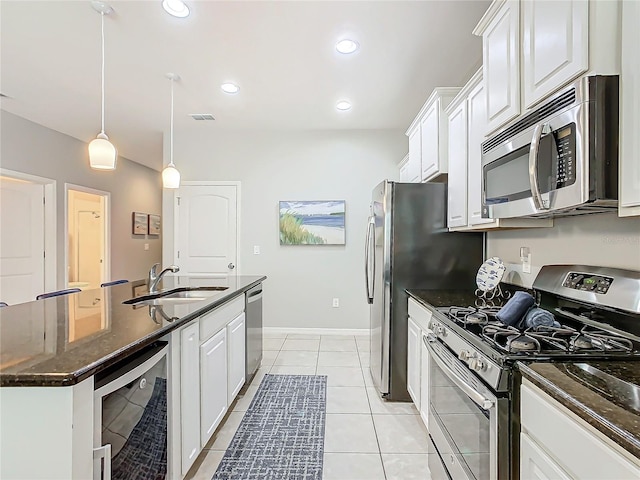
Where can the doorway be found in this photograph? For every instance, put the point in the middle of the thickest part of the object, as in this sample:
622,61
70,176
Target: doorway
87,237
27,236
206,229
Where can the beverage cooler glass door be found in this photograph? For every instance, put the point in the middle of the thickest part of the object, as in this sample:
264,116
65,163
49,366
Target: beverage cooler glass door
462,417
130,415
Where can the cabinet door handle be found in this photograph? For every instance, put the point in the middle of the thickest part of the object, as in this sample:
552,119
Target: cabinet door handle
231,266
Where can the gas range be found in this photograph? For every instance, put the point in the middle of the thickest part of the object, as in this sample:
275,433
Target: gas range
473,382
597,311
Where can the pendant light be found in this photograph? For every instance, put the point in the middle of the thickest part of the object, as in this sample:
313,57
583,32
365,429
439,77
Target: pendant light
170,174
102,153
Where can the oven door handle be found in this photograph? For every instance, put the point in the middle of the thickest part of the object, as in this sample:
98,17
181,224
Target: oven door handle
477,398
541,129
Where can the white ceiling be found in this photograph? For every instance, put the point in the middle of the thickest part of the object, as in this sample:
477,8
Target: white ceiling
280,53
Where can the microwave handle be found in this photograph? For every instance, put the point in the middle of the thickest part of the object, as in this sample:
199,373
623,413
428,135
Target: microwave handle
541,129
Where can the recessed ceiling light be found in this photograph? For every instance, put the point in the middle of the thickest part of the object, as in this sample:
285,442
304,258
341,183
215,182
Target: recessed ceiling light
177,8
347,46
230,88
343,105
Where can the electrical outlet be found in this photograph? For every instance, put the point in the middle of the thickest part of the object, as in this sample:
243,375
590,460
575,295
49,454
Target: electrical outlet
525,258
146,246
336,302
256,249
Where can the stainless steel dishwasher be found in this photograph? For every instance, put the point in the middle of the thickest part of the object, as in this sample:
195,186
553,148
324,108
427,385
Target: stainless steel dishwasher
253,313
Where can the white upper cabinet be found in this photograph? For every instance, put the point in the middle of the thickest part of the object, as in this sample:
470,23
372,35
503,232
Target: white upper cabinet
477,117
413,165
467,118
630,111
555,46
501,62
457,190
532,48
429,129
404,169
428,137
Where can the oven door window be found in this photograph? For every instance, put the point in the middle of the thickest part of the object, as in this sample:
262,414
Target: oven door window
466,426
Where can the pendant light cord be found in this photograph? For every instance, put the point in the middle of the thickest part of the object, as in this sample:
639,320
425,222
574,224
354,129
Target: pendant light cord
171,139
102,19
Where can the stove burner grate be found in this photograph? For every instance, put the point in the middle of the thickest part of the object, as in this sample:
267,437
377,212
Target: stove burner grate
472,315
549,339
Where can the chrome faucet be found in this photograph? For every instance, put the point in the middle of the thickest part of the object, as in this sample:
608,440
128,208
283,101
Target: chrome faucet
154,278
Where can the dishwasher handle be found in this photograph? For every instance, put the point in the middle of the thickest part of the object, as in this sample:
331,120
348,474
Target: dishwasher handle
254,295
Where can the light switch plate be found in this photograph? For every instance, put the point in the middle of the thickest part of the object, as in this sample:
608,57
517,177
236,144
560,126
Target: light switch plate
256,249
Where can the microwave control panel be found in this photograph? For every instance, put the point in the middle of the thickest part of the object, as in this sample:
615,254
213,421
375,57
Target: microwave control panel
588,282
565,148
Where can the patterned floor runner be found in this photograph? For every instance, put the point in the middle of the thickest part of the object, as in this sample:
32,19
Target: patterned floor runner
281,436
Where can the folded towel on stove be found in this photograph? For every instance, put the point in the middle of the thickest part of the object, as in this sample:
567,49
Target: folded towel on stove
515,309
539,317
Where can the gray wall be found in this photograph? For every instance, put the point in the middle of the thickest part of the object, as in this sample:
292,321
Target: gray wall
31,148
273,166
601,240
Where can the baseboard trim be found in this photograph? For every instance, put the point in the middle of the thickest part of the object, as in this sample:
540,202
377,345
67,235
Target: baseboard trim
317,331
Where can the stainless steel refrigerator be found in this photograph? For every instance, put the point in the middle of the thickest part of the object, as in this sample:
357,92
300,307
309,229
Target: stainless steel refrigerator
408,246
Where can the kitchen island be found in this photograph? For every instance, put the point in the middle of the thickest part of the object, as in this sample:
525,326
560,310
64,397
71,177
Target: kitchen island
52,349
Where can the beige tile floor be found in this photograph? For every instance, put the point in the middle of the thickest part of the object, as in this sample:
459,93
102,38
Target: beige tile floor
366,438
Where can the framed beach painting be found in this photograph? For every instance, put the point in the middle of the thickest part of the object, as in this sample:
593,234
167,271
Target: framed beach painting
318,222
139,223
154,224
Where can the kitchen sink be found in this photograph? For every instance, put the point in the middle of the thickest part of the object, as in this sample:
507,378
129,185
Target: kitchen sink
176,296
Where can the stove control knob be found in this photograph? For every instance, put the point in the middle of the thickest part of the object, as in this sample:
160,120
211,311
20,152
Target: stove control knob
477,364
440,330
464,355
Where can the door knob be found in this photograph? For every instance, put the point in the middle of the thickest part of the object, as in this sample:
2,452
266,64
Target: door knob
231,266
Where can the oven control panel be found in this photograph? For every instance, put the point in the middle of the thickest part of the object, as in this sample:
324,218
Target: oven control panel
588,282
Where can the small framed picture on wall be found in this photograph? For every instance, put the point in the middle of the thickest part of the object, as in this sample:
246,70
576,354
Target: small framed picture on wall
154,224
139,223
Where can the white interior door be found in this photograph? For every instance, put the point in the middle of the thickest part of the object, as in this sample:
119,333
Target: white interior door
206,230
89,247
21,240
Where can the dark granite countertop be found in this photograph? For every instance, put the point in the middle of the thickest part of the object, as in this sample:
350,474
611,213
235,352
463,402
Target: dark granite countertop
444,298
591,393
62,340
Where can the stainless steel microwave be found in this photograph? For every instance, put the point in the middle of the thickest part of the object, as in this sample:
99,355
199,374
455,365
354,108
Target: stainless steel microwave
558,160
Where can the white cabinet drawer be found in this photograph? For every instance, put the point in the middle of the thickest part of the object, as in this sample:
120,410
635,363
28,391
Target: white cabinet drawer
419,314
217,319
578,449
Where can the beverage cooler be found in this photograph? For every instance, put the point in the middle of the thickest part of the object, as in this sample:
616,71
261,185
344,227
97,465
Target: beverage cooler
130,417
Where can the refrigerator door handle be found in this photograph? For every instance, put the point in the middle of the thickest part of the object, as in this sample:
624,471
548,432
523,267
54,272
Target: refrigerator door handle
369,276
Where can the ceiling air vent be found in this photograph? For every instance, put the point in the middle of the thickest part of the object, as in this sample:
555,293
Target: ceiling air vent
201,116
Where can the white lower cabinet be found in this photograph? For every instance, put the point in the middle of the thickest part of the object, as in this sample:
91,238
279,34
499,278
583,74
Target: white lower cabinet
536,464
208,367
413,362
424,380
190,394
213,380
556,443
236,337
418,358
